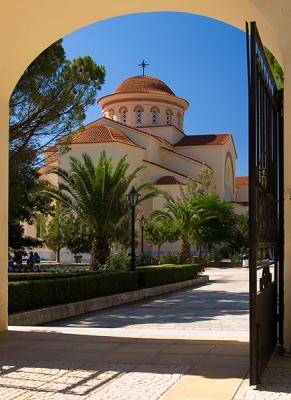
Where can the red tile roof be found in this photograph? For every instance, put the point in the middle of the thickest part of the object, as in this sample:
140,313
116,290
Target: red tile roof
204,140
168,180
144,84
159,139
241,180
101,134
52,149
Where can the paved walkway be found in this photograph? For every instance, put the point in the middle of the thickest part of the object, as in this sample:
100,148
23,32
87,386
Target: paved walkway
191,344
218,309
188,345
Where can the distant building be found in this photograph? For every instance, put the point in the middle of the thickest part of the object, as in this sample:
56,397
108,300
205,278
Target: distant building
144,119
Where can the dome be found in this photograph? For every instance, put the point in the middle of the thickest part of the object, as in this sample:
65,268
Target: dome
144,84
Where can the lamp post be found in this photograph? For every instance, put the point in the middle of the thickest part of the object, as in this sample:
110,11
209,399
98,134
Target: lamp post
133,198
142,221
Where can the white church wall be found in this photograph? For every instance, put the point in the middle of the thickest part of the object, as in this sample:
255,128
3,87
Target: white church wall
240,208
183,165
115,150
168,132
153,151
242,193
214,156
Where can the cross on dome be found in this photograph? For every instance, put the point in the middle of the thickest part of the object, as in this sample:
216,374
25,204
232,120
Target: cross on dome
143,65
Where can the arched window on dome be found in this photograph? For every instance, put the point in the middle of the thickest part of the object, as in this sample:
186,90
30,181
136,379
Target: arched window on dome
138,115
123,115
179,120
155,116
169,116
110,113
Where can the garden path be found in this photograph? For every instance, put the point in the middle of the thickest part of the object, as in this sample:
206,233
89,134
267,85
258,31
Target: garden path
191,344
218,309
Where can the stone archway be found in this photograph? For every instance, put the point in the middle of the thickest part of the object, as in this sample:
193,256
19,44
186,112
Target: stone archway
32,26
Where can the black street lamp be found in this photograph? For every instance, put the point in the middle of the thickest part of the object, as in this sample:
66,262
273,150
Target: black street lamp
142,221
133,198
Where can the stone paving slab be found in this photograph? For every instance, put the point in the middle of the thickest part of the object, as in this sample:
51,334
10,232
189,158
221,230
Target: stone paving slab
276,383
222,305
186,345
73,381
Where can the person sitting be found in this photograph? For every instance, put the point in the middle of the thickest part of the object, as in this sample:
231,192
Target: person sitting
36,261
10,263
30,261
18,260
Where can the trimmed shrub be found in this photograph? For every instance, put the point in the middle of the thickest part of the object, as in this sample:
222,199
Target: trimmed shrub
28,295
145,259
34,293
117,262
40,277
165,274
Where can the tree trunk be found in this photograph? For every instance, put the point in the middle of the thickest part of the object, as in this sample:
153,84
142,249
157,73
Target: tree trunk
58,254
99,253
186,248
159,251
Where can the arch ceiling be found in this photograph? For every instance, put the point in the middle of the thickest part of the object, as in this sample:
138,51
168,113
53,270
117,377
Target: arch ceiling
34,25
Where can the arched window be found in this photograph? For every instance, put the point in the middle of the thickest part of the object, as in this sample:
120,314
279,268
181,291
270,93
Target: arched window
138,115
123,115
110,113
169,117
228,178
179,120
155,117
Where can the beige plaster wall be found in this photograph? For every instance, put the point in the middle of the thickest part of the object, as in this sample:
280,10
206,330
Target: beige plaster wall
170,133
4,115
115,150
242,193
180,164
240,209
214,156
33,25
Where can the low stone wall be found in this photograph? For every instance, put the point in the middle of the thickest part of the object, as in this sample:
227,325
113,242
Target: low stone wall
46,315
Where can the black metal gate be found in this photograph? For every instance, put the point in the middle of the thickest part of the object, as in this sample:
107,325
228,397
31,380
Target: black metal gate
266,207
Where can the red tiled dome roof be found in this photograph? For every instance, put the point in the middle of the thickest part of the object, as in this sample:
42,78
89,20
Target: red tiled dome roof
143,84
168,180
101,134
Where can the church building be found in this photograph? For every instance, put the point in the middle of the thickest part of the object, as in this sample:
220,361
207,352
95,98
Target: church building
143,119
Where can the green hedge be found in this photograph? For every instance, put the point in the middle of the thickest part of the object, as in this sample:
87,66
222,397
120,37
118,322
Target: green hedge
32,294
28,295
17,277
162,275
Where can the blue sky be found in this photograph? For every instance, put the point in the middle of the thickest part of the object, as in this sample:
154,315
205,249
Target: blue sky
202,60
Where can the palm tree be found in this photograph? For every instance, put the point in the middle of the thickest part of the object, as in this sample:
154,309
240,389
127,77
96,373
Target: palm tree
239,241
97,196
181,213
214,221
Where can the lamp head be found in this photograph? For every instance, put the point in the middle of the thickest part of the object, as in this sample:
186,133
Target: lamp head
133,197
